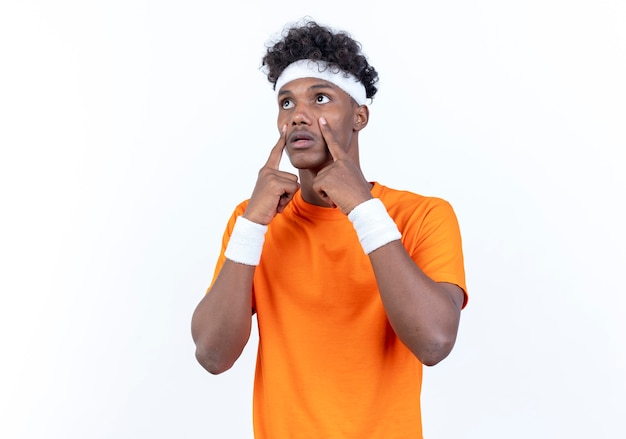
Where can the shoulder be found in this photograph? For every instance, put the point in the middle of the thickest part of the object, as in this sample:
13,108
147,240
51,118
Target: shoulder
418,215
237,211
241,208
397,200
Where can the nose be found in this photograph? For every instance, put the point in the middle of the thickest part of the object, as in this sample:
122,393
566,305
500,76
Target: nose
301,115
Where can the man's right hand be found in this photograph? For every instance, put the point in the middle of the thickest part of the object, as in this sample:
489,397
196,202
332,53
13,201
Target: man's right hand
274,189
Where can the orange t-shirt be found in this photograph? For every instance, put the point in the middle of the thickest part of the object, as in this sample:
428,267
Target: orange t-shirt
329,364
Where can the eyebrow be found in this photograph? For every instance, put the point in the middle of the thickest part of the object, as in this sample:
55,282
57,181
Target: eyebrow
319,85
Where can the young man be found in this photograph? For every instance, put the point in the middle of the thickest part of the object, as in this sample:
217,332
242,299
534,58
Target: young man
355,285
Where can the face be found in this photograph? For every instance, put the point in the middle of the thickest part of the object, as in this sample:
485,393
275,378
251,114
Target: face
300,105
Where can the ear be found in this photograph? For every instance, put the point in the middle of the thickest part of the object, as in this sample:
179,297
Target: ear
361,117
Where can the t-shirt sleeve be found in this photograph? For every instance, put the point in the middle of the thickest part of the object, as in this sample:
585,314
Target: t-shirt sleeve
239,210
437,248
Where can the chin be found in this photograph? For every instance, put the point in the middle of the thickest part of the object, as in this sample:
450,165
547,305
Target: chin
309,161
311,165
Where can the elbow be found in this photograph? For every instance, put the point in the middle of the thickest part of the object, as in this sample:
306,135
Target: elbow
433,353
432,359
217,352
208,353
214,363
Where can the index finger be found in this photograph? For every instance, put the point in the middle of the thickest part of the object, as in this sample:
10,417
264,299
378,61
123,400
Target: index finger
336,151
276,154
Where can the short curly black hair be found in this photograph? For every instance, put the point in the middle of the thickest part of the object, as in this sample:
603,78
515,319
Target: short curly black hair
309,40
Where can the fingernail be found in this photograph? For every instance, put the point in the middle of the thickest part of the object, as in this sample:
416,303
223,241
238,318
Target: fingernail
322,120
284,128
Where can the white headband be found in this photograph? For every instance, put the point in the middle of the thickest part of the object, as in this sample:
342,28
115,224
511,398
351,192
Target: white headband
308,68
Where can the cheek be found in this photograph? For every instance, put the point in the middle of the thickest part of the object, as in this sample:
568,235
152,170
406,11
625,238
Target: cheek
280,121
346,130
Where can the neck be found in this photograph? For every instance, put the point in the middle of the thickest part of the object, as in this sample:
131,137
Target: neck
306,188
309,195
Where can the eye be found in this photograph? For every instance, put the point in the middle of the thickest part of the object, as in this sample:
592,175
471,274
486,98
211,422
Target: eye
286,104
322,99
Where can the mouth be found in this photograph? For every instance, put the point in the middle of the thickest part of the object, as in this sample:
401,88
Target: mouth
300,139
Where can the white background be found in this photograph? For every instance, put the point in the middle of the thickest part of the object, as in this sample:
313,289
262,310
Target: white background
130,129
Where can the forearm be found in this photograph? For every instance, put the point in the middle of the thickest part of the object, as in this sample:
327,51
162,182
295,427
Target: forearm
423,313
221,322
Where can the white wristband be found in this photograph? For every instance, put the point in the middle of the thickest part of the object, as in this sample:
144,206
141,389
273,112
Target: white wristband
373,225
246,242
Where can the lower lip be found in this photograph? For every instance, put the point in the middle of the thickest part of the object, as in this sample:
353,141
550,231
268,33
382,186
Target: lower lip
301,144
